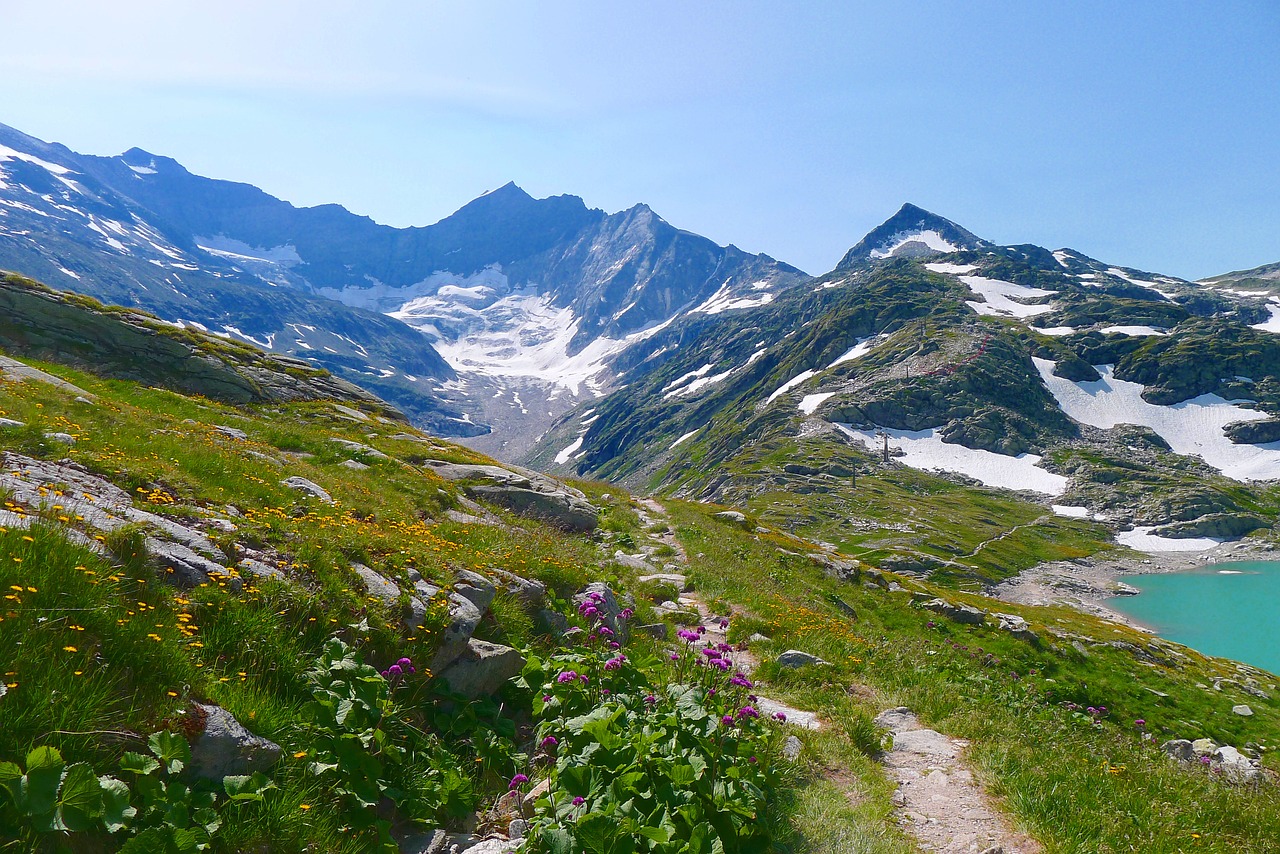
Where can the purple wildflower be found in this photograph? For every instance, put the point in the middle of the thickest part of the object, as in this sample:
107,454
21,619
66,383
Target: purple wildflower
650,700
579,801
727,720
748,712
566,676
518,780
395,670
780,716
549,741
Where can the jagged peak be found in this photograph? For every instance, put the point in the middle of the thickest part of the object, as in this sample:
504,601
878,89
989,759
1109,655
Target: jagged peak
911,232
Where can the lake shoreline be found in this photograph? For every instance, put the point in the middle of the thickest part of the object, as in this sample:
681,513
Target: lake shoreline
1090,584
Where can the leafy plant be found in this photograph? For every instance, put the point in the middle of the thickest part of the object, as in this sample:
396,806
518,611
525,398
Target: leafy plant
53,796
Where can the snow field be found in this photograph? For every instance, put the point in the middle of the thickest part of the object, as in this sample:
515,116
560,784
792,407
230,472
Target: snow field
924,449
1193,427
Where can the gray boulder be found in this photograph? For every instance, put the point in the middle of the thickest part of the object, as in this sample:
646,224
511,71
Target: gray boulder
1242,710
9,422
560,508
231,432
732,517
475,588
1204,746
357,447
353,465
226,748
608,605
377,585
794,658
957,613
676,579
303,485
186,567
791,748
530,593
482,669
1235,766
1179,749
1016,626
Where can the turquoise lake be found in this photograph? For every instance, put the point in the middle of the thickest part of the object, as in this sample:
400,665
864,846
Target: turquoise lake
1224,609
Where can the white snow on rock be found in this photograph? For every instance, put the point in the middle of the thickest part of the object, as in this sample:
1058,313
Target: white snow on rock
1002,298
1132,330
928,237
285,255
810,402
1055,331
1151,286
7,153
861,347
790,384
722,300
1061,257
1272,323
686,437
567,454
951,269
1069,511
1143,540
1193,427
924,449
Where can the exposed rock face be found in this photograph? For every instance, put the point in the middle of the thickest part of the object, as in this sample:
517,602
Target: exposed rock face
964,614
226,748
482,668
794,658
525,493
42,323
1224,525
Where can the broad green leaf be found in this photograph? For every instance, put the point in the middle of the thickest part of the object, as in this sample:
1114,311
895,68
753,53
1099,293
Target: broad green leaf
170,747
559,841
154,840
247,788
207,819
139,763
38,789
596,833
80,798
115,803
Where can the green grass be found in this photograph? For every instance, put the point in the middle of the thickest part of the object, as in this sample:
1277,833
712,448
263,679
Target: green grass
1075,785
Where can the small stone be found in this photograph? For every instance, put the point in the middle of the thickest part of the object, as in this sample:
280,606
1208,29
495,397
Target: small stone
794,658
64,438
1204,746
661,631
733,517
791,748
517,829
303,485
231,432
354,465
899,798
756,637
1179,749
9,422
1242,710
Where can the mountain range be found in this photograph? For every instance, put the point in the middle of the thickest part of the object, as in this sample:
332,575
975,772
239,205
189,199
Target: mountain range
618,346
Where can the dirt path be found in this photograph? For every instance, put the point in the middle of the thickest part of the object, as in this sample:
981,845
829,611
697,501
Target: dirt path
938,801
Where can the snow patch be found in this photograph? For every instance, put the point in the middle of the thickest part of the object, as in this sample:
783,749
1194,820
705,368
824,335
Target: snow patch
1069,511
685,437
810,402
790,384
1055,331
951,269
924,449
566,454
928,237
1133,330
1141,539
722,301
1272,323
1001,298
285,255
861,347
7,153
1192,428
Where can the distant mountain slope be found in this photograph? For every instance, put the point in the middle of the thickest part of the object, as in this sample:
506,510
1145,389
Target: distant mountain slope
522,296
1131,396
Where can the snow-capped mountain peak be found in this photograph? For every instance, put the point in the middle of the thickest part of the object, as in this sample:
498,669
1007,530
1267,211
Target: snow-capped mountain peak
912,232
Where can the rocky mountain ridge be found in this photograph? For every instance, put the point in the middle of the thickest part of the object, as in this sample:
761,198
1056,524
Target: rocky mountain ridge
527,299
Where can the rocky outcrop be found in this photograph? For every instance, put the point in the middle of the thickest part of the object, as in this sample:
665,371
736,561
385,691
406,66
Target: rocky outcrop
225,748
1225,525
309,487
523,492
964,614
794,659
38,322
482,669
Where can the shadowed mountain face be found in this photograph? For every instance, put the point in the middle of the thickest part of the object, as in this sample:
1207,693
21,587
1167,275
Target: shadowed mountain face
520,295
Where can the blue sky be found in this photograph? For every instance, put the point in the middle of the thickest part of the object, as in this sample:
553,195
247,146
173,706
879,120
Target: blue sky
1146,134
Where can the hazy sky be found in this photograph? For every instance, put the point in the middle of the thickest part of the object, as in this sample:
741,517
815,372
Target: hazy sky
1146,134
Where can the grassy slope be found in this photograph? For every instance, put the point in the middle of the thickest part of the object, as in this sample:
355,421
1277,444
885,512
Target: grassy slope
130,660
1077,786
